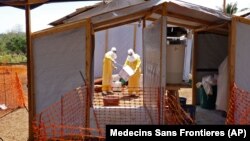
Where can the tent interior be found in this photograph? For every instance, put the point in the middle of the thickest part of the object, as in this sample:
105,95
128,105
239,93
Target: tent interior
55,65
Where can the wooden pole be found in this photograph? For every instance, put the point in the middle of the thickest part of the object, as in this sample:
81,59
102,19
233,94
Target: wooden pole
224,6
106,40
29,74
134,42
194,72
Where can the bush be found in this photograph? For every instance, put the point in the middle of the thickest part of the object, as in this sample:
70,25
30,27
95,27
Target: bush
13,58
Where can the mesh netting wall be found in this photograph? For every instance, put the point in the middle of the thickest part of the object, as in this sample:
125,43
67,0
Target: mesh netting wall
174,113
123,107
65,119
11,91
239,107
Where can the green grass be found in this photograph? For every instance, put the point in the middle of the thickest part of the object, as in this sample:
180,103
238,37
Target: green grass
13,58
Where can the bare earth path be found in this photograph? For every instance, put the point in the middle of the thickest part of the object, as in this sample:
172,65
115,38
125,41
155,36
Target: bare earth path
14,126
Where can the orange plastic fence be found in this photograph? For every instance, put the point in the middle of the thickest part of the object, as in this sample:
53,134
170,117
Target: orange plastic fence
123,107
239,107
66,119
11,91
174,113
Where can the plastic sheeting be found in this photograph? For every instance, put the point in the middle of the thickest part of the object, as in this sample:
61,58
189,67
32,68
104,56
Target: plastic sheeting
242,57
58,58
103,8
122,38
187,59
154,61
212,50
182,8
222,87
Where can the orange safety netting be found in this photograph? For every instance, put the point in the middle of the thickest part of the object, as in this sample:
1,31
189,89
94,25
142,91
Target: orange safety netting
174,113
11,91
239,107
66,119
72,116
122,107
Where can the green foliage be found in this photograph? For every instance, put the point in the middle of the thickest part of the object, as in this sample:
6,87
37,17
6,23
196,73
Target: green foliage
13,58
231,8
13,47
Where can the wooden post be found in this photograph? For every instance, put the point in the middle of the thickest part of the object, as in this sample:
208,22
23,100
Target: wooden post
106,40
31,97
89,64
229,62
194,63
232,52
135,31
162,66
224,6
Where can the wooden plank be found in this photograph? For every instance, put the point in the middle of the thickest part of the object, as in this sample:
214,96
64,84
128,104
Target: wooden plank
194,66
187,18
182,25
88,68
134,42
229,62
115,25
210,27
106,40
59,28
36,1
232,53
144,23
174,23
242,20
23,3
121,20
30,72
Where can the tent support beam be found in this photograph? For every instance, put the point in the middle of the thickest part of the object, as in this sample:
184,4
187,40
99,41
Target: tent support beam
206,28
134,41
178,16
121,20
116,24
106,40
89,60
229,61
31,97
21,3
232,53
242,20
194,65
174,23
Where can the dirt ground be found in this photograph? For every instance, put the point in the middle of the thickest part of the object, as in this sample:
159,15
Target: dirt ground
14,126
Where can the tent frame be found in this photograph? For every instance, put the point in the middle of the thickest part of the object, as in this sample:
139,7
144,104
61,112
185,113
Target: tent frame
89,45
141,15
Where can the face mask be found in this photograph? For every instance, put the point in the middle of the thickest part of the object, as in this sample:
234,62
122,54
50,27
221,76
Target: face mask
113,55
131,58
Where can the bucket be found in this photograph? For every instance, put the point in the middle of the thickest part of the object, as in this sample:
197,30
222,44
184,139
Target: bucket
117,86
111,100
126,72
183,101
175,63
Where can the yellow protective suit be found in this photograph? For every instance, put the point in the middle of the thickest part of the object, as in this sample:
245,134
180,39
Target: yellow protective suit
107,72
134,80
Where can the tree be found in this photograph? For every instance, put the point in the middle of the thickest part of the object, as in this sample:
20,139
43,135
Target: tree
13,43
231,8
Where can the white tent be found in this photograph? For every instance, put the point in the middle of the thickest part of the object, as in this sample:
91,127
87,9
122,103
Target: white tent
122,37
212,29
